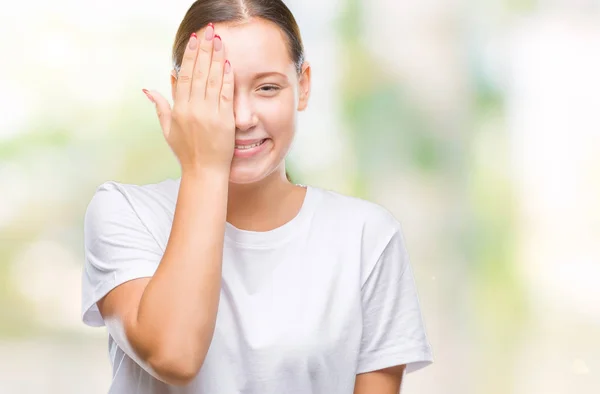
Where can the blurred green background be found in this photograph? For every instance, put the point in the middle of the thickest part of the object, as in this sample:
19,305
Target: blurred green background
476,123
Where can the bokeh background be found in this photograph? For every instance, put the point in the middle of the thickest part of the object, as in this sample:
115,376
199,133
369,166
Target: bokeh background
477,123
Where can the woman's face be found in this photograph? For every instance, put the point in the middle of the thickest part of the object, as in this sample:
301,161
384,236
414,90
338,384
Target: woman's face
268,94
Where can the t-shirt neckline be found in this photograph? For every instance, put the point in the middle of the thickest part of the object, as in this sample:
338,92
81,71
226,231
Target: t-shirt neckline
276,236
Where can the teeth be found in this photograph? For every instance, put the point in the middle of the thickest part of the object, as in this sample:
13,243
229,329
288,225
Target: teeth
249,146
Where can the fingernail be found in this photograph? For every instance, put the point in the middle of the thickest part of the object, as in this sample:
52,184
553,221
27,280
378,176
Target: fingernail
193,43
148,95
210,31
227,67
218,42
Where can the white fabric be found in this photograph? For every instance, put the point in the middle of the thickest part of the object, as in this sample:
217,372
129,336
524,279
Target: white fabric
303,308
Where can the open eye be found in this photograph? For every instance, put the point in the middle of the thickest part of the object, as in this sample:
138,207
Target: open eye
269,88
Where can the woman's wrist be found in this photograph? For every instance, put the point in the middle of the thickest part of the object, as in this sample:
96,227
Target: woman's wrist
206,174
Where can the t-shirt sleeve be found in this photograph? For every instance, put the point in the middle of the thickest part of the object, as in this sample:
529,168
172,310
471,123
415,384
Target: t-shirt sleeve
393,329
118,248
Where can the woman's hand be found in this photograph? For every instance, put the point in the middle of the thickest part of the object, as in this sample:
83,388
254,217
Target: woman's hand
201,127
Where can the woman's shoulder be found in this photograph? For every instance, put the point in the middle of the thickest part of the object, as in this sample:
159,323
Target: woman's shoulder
167,186
113,197
347,209
130,191
345,220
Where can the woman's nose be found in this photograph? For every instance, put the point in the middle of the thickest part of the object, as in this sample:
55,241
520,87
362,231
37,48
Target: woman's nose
243,111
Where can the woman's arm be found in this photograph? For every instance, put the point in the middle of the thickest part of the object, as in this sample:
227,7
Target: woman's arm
169,320
384,381
393,340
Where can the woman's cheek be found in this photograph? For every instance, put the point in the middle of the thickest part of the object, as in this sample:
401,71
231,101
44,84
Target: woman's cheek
279,113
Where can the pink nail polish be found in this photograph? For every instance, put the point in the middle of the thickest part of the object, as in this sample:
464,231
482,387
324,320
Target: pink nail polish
193,35
209,32
218,43
148,95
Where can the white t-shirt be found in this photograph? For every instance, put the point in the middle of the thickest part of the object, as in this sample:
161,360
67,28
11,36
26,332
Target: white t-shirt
303,308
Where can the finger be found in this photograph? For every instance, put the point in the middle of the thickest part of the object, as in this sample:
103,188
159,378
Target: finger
215,75
227,89
202,67
163,110
184,79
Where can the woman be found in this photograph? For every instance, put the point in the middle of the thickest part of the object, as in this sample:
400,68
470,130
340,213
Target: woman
231,279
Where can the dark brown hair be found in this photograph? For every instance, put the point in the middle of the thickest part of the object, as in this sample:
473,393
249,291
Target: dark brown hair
203,12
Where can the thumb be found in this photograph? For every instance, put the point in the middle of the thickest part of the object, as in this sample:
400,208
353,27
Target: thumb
163,110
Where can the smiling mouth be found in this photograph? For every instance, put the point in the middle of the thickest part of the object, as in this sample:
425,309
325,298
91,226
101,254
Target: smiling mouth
245,147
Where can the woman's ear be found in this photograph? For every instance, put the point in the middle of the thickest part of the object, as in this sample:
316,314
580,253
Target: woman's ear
173,83
304,87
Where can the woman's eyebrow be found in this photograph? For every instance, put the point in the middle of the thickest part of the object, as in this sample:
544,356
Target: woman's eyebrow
268,74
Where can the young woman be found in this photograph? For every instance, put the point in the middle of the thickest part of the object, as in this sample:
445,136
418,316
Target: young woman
231,279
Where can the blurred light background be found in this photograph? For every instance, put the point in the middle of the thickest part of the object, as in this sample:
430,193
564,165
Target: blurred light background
476,122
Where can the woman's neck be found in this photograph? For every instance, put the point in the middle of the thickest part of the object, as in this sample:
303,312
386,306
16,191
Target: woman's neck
264,205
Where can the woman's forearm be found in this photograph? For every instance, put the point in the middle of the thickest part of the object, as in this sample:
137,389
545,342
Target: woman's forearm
177,311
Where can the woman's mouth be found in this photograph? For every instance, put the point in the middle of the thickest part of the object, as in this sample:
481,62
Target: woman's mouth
249,148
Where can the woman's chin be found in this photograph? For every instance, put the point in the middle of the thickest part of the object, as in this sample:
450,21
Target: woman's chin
243,175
